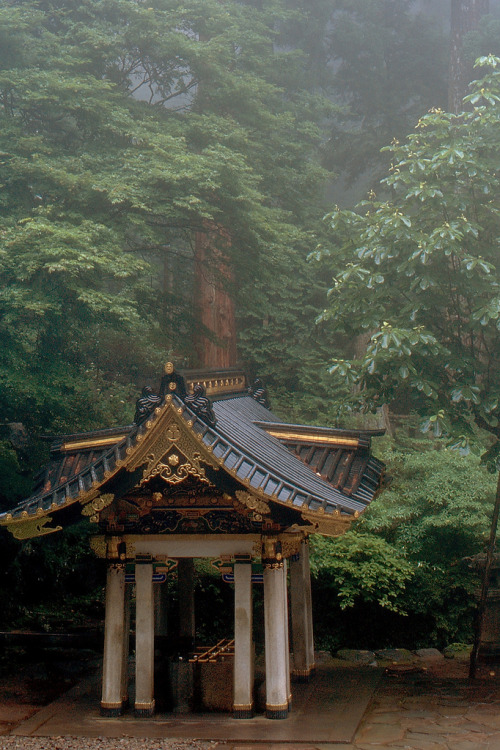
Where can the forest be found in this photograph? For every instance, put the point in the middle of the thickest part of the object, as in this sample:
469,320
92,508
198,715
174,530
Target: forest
331,168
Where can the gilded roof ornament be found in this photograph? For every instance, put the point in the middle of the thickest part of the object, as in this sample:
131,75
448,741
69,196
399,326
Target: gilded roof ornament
258,391
200,404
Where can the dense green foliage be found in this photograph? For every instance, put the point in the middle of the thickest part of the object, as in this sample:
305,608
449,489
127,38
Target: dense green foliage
117,147
419,271
124,128
390,68
51,583
404,565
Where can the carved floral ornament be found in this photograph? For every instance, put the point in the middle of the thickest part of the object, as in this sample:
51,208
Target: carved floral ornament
172,454
95,506
174,467
258,507
116,549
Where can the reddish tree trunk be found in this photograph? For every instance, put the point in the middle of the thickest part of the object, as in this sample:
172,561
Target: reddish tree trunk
214,301
465,17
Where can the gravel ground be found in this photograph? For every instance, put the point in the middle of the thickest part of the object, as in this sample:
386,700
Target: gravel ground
100,743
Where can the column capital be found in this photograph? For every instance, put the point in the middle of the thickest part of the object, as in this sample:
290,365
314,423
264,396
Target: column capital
272,555
116,549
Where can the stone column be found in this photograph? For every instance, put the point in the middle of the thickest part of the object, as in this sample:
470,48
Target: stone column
277,690
287,636
161,608
114,637
300,599
144,640
309,611
243,644
185,574
126,645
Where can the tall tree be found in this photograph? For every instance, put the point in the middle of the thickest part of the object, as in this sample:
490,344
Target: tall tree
422,273
125,131
420,270
389,67
466,16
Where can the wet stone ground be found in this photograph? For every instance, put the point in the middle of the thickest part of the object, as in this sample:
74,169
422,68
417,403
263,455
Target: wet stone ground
434,708
423,705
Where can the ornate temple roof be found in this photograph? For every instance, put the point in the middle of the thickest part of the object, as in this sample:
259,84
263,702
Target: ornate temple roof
323,476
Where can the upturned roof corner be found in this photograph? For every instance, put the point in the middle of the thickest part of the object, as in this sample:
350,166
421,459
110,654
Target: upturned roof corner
205,439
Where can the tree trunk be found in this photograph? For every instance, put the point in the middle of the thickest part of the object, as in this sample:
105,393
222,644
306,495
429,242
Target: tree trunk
214,303
478,629
465,17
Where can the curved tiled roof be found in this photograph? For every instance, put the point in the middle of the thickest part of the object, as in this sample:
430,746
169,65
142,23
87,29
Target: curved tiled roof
287,470
263,462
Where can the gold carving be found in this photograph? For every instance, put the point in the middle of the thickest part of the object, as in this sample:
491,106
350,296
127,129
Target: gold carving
115,548
257,549
272,556
173,432
169,368
215,386
173,471
98,504
252,502
33,528
290,546
114,565
98,545
169,435
328,525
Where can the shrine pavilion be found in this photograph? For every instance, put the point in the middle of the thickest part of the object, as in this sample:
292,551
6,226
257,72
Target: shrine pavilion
206,470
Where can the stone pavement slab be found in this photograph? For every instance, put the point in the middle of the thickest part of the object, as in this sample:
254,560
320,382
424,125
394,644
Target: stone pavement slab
407,711
327,710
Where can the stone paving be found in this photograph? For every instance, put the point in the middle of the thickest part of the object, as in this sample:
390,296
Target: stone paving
436,708
415,706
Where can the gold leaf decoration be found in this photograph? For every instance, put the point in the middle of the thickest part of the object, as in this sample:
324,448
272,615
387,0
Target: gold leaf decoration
290,545
98,545
32,528
252,502
97,504
174,467
328,524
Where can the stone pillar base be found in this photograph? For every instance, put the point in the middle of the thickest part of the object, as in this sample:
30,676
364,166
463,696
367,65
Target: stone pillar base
243,712
303,675
277,712
144,709
112,710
